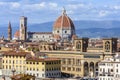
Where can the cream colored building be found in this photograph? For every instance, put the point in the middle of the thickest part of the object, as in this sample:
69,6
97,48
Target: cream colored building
13,62
109,68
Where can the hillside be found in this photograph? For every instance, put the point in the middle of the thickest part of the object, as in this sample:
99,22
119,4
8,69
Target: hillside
83,28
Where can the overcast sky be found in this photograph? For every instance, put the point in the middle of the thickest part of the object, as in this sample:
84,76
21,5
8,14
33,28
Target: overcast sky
39,11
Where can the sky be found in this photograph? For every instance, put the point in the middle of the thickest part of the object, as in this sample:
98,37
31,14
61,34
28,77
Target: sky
40,11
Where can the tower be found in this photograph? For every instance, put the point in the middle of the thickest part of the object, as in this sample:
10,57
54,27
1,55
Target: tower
23,28
110,45
81,44
9,31
63,28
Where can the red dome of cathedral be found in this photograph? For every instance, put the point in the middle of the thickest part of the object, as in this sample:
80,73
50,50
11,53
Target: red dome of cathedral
17,34
63,22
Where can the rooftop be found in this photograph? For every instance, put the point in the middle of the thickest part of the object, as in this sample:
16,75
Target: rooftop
41,59
15,53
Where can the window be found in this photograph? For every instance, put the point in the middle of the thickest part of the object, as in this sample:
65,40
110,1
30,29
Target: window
37,69
111,70
78,69
78,62
63,61
37,74
107,46
33,62
27,63
57,31
37,63
43,63
69,61
42,75
33,69
30,62
6,67
116,70
117,65
36,36
78,45
65,31
69,69
9,66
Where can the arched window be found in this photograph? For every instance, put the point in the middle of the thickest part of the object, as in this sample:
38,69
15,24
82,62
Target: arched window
107,46
78,45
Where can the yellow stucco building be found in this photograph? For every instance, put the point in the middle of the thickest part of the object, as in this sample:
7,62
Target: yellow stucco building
13,62
43,67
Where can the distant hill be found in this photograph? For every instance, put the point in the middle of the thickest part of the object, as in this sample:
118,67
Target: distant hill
83,28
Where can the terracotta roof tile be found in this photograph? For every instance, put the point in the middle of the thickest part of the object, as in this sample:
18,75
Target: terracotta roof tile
41,59
15,53
64,21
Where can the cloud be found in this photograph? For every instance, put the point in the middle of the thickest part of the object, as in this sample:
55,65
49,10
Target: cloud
75,6
54,5
10,4
36,6
40,6
15,4
116,7
103,13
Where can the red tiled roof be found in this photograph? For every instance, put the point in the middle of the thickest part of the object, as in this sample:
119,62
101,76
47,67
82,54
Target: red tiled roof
15,53
41,59
17,34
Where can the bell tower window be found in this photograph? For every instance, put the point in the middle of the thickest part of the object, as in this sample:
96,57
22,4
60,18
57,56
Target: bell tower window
78,46
107,46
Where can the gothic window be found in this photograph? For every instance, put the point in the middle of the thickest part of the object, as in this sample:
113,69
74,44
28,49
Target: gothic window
78,45
107,46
